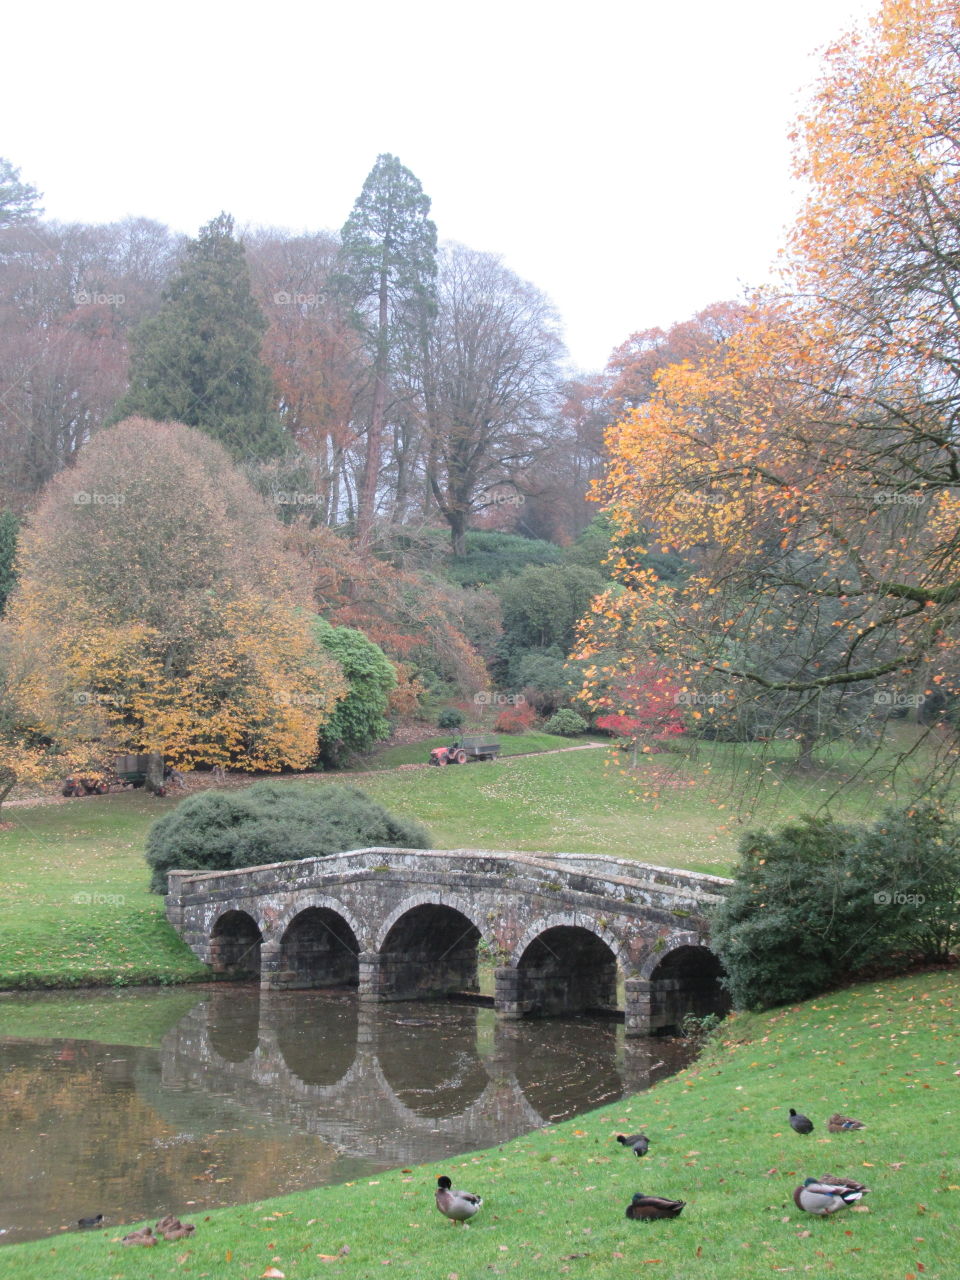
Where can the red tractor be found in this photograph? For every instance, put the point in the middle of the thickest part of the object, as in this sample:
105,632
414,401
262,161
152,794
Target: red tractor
448,755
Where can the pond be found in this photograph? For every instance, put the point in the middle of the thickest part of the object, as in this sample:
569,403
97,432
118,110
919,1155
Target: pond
133,1104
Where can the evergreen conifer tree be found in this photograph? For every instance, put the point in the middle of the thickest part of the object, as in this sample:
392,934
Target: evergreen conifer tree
198,360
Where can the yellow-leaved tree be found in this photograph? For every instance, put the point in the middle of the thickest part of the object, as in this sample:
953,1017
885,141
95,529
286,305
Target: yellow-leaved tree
155,582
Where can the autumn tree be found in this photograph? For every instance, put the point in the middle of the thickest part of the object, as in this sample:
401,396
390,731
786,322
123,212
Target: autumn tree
634,366
198,361
814,451
27,754
490,383
320,367
70,294
388,274
418,620
641,703
155,582
556,487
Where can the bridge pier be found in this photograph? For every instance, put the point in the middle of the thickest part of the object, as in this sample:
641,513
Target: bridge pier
371,977
637,1007
506,999
272,975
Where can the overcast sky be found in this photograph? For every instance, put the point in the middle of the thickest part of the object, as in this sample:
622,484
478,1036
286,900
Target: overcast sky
629,158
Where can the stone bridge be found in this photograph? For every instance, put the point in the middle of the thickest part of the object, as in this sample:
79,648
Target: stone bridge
401,924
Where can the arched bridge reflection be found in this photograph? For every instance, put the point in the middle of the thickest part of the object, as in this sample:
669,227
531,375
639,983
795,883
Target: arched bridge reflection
407,1082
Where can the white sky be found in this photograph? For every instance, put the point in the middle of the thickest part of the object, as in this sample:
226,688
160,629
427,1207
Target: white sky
629,158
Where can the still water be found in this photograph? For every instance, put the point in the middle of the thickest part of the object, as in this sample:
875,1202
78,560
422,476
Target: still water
245,1095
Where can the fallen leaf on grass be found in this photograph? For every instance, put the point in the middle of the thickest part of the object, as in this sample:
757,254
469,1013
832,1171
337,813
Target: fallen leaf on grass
272,1273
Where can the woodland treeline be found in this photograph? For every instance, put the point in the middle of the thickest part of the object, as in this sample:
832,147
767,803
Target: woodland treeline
374,377
403,454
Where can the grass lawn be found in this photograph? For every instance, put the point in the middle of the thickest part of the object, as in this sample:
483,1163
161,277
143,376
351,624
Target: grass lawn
887,1053
74,906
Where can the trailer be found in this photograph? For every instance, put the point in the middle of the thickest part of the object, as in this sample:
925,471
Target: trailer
469,746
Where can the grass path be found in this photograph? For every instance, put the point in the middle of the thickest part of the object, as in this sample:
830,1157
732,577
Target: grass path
554,1200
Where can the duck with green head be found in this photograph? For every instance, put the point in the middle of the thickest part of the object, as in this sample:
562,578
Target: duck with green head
458,1206
823,1196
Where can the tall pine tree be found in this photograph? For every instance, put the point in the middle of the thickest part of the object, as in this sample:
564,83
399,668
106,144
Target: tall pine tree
198,360
388,266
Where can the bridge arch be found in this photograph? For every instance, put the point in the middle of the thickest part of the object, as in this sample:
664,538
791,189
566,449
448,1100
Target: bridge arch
427,948
299,902
566,965
235,942
683,978
317,946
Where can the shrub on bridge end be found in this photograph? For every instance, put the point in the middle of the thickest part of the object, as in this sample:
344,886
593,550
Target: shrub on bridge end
818,902
272,822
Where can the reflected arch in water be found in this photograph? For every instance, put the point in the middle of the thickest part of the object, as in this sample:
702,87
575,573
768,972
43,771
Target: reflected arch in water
233,1023
315,1036
235,942
565,968
432,1065
428,949
318,948
685,979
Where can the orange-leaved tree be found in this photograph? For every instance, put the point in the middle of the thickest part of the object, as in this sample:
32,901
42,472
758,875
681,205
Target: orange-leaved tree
156,582
807,466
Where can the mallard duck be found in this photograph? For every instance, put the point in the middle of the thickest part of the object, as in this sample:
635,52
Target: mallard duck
644,1207
799,1123
638,1143
89,1224
179,1231
458,1206
840,1124
144,1236
827,1195
167,1222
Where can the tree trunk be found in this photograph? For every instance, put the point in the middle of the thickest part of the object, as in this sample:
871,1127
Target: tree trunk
154,781
366,502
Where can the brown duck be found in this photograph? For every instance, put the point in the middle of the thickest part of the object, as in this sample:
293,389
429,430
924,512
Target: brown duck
843,1124
648,1207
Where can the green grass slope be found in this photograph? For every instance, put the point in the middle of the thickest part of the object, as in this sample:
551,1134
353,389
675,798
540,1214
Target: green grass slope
554,1201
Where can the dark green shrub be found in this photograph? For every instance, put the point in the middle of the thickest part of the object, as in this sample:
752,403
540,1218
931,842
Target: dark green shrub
271,822
491,556
449,718
566,723
817,902
359,720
